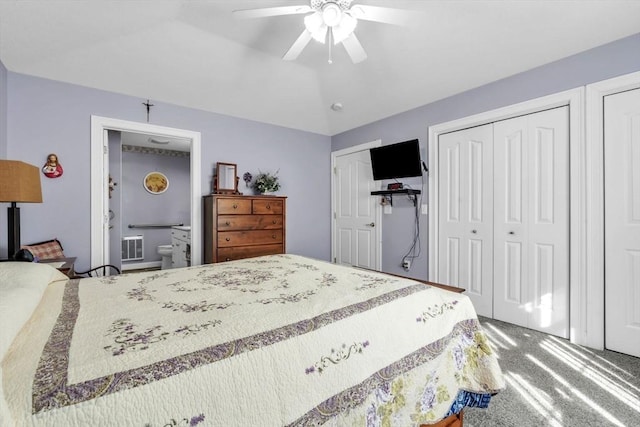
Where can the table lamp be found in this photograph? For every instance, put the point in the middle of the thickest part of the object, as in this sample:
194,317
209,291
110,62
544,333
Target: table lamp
19,183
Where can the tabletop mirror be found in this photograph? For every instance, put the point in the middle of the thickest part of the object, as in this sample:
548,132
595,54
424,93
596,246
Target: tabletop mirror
225,180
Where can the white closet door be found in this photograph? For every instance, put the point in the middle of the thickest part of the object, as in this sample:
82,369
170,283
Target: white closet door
622,221
465,213
531,221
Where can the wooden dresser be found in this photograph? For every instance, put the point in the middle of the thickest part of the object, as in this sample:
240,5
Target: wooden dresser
237,227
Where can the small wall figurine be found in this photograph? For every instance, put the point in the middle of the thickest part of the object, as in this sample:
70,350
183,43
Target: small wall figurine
52,168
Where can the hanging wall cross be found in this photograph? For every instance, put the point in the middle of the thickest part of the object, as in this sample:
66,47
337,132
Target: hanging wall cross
148,108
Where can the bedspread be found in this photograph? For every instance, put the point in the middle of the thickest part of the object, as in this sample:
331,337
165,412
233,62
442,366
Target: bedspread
276,340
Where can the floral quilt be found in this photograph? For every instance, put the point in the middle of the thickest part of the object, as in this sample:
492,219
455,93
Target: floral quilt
276,340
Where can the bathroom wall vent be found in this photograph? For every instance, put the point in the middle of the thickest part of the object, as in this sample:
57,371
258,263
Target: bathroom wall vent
133,248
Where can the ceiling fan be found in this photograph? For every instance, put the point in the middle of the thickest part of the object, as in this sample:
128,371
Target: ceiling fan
338,16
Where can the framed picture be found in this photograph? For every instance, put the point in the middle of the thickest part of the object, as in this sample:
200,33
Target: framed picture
156,182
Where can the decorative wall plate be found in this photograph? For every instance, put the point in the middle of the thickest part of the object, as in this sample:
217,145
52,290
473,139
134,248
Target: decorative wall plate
156,182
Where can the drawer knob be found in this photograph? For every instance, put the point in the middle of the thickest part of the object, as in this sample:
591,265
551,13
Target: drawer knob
228,223
268,206
228,239
227,259
235,206
274,221
273,236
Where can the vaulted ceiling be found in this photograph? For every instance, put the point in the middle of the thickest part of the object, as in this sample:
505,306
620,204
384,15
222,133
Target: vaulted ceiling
195,53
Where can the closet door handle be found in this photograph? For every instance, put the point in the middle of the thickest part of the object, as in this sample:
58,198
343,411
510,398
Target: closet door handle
474,231
512,232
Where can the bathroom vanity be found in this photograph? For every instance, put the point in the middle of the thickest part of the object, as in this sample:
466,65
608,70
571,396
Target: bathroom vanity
181,246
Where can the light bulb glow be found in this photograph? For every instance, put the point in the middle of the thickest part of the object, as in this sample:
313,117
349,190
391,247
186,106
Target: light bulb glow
331,14
344,29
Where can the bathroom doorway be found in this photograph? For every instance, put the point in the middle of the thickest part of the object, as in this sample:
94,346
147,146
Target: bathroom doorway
101,127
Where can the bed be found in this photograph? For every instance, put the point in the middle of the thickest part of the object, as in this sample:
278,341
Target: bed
280,340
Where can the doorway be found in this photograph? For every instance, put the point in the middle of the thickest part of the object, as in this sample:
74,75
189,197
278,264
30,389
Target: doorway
100,127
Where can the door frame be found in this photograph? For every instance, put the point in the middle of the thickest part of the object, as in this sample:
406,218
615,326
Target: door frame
378,210
595,94
99,182
579,281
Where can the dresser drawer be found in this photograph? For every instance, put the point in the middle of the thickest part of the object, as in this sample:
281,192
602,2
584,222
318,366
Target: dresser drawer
264,206
249,237
241,252
234,206
249,222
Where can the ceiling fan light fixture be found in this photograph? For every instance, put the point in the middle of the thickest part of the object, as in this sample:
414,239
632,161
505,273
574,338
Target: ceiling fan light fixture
344,29
316,26
331,14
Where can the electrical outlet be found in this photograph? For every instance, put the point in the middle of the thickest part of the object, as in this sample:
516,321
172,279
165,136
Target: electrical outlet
406,264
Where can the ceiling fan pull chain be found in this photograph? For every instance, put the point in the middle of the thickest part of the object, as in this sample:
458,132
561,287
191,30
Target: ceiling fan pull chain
330,61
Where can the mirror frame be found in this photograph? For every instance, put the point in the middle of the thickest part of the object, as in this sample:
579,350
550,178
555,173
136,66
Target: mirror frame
233,190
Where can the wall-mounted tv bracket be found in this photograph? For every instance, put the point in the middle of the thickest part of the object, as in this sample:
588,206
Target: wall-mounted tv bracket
388,194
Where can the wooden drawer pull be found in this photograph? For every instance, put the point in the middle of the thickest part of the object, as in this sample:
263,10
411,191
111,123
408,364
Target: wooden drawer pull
227,259
268,206
274,221
228,239
273,236
228,223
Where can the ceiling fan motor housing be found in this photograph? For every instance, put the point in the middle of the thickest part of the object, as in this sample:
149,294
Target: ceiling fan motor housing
320,4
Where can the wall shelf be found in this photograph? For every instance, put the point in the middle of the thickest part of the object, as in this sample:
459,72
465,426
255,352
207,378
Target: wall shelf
388,194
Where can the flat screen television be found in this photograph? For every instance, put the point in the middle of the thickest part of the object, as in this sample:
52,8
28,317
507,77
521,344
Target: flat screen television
399,160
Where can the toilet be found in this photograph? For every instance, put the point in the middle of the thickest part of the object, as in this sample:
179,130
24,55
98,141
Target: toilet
166,252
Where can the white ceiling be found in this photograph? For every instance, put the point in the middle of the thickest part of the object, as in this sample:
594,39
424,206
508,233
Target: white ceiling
194,53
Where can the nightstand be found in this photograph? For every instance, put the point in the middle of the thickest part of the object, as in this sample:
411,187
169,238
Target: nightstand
64,265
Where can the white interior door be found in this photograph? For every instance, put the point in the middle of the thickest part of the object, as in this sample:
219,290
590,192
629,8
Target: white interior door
622,221
465,213
531,221
357,228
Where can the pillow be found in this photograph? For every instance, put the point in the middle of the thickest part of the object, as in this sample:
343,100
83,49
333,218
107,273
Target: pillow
22,285
49,249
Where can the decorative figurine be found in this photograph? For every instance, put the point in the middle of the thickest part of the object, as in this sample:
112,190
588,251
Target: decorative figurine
52,168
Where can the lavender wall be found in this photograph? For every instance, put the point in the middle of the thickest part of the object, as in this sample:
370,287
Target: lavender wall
50,116
3,111
611,60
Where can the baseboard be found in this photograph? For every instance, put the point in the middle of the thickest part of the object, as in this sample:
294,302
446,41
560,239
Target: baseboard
140,265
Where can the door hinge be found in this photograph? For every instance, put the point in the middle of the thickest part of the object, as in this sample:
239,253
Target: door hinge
105,149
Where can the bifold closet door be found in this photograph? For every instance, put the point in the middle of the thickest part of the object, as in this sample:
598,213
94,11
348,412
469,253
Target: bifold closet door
622,221
531,221
465,213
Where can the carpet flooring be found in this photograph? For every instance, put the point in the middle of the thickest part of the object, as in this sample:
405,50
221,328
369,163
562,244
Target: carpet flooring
551,382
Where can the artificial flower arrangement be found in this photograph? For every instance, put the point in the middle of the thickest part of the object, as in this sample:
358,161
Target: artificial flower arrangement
266,182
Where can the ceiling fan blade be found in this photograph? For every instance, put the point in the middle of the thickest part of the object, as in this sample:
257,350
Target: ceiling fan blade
385,15
354,49
271,11
297,47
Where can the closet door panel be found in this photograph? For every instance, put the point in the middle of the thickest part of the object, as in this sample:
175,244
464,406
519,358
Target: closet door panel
549,220
465,213
510,217
532,174
622,221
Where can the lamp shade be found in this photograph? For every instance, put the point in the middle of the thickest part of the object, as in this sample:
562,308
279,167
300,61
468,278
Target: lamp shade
19,182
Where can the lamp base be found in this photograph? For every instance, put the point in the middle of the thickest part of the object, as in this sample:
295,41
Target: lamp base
13,226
